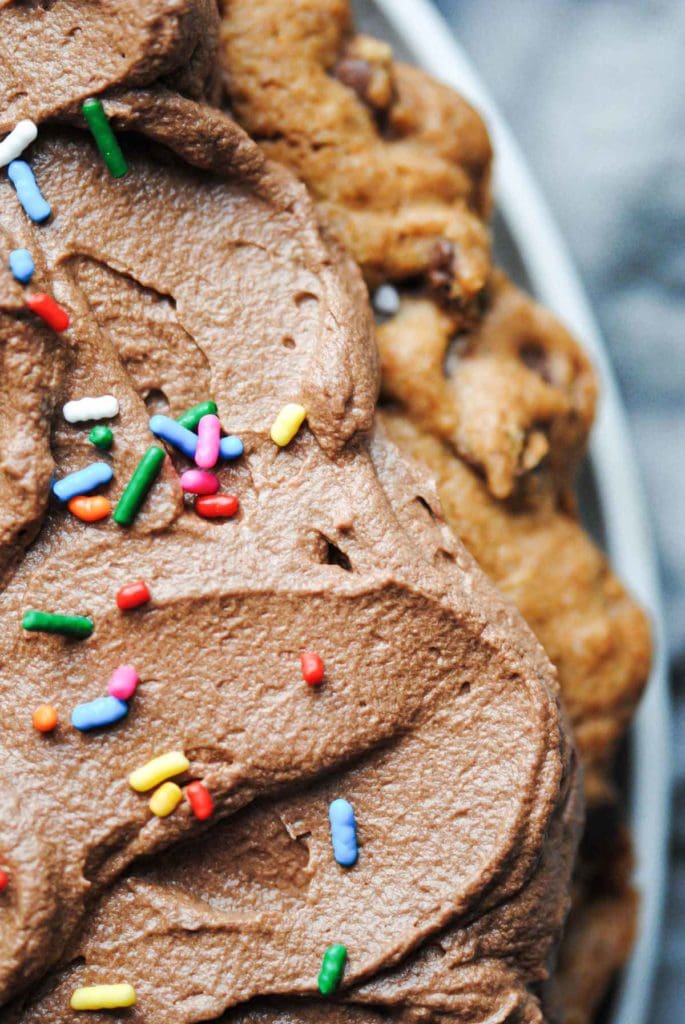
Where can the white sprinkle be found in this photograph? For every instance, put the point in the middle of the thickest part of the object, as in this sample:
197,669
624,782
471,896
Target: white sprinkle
21,136
386,300
102,408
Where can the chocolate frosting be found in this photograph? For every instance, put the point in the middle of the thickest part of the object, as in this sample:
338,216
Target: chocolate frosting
55,54
204,273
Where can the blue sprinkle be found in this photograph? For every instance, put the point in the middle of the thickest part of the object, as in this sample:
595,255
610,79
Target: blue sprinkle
83,481
103,711
343,832
28,193
230,447
21,265
185,440
169,430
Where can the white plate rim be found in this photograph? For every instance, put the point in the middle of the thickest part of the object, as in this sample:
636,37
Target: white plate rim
629,539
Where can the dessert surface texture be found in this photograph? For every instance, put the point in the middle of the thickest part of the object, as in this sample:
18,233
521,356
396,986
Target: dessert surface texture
166,837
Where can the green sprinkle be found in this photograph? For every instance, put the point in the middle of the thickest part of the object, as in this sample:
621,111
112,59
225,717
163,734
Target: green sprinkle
101,437
145,474
192,417
105,139
332,967
67,625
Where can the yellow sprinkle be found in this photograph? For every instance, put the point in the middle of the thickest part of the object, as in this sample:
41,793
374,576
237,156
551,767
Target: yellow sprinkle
165,799
287,423
103,997
157,770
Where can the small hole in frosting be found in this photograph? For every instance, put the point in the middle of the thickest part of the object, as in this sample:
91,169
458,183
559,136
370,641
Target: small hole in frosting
305,298
334,556
157,402
288,342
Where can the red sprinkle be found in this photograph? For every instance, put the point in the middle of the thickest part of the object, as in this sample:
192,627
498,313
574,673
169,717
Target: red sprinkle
200,799
216,506
48,310
312,668
132,595
4,880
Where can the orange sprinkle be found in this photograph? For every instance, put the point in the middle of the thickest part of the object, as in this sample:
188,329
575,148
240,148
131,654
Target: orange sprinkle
91,508
45,718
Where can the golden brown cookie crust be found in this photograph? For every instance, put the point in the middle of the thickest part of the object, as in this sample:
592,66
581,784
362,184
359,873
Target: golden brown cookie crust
399,164
505,391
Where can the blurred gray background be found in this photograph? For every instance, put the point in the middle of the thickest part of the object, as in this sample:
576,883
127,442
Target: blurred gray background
595,93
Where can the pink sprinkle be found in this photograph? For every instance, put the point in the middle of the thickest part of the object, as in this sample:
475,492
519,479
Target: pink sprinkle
123,682
208,438
199,481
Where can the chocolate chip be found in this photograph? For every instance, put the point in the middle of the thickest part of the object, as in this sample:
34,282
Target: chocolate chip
535,358
356,74
441,268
